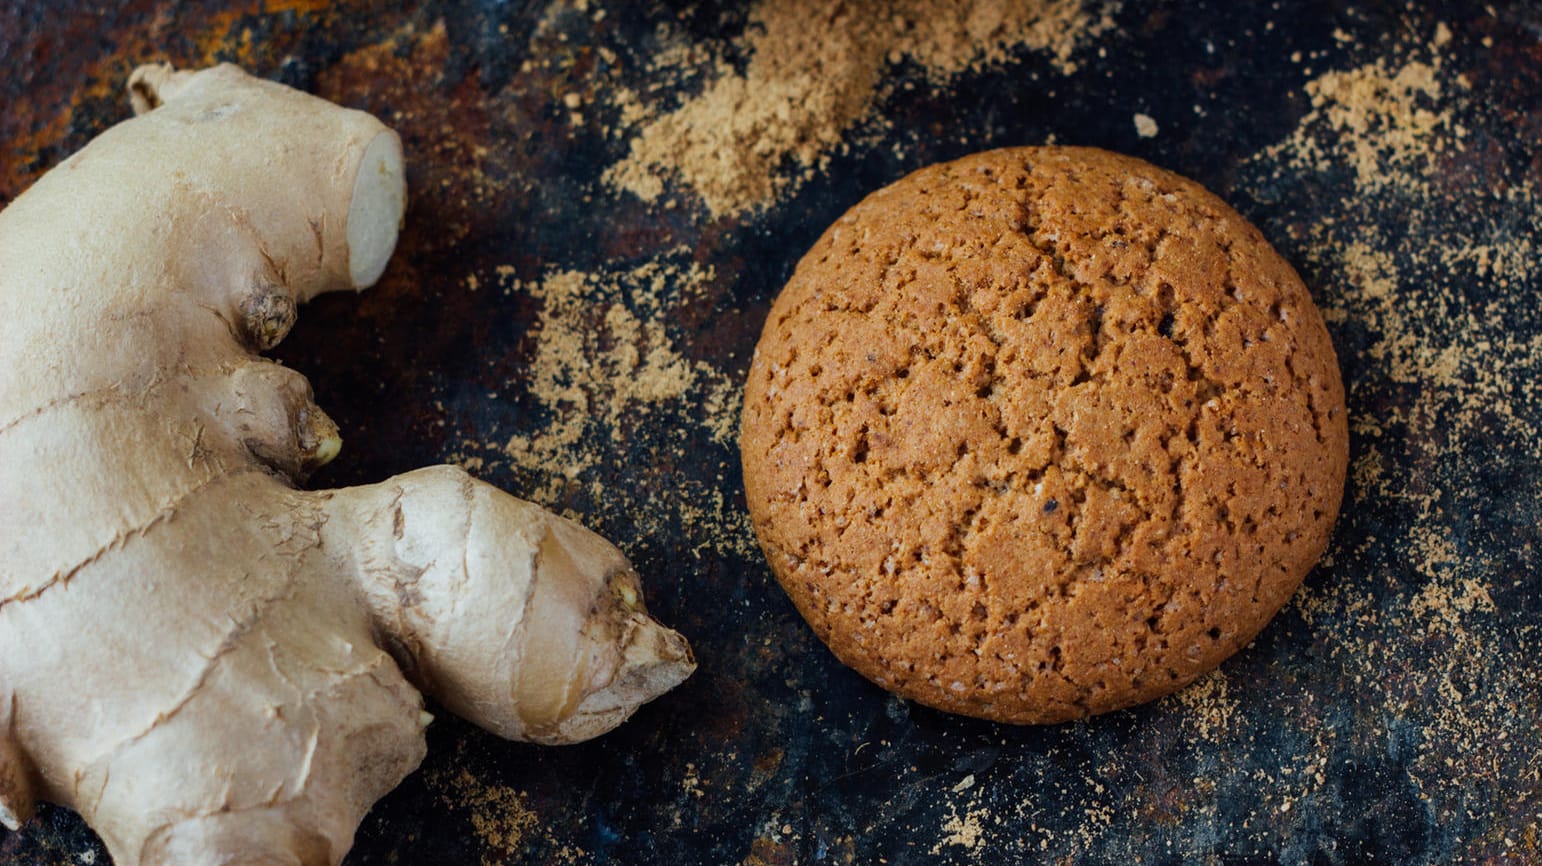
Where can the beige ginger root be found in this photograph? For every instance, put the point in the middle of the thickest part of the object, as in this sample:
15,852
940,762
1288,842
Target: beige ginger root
210,665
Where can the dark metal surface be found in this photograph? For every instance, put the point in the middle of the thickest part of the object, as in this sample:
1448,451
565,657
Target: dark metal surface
1389,714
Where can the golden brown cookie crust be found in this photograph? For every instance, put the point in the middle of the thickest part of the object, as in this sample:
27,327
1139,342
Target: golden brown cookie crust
1042,433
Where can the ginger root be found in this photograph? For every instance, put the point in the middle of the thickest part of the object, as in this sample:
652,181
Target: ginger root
209,664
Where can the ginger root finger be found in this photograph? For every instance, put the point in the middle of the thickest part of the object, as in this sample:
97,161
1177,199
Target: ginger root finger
202,660
514,618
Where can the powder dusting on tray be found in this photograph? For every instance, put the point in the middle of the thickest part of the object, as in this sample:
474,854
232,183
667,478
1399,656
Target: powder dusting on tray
815,69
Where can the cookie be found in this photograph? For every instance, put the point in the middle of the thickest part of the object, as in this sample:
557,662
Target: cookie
1042,433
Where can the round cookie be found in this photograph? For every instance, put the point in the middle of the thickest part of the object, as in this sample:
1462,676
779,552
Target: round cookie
1042,433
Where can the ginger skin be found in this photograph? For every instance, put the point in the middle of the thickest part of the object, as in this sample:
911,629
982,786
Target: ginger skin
209,664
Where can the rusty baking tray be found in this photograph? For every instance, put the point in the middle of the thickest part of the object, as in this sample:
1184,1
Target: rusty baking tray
560,199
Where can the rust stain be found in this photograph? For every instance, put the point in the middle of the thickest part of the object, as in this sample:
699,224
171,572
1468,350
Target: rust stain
272,6
444,122
769,852
80,91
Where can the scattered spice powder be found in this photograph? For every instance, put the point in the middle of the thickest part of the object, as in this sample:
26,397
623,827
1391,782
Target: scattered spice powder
1444,370
815,70
1386,124
499,815
1208,706
604,362
604,366
963,830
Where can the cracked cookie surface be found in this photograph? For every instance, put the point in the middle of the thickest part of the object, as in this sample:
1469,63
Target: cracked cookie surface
1042,433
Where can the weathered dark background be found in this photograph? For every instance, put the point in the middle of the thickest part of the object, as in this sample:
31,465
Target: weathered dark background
1390,150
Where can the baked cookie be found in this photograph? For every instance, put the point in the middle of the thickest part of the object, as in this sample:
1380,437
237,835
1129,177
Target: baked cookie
1042,433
